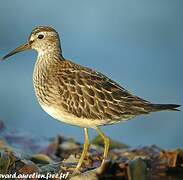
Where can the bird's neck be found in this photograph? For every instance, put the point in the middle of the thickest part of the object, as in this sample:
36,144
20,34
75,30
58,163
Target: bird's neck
46,60
50,54
44,68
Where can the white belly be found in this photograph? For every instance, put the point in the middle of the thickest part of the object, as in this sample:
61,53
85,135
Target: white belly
71,119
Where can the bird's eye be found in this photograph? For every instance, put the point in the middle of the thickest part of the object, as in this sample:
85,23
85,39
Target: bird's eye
40,36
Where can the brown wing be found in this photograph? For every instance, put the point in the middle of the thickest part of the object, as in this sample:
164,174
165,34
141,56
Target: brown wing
89,94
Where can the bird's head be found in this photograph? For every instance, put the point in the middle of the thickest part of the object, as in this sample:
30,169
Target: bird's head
43,39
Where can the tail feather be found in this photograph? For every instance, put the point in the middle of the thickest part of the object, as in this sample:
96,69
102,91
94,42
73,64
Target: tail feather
162,107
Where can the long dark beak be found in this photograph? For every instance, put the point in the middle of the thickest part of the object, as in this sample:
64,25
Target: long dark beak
21,48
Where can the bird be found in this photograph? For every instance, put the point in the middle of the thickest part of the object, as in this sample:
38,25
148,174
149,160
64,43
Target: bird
78,95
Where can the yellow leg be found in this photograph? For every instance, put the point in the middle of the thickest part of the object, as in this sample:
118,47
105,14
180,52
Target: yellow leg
106,145
85,150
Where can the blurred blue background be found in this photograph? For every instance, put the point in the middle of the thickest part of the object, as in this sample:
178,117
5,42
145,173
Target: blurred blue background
137,43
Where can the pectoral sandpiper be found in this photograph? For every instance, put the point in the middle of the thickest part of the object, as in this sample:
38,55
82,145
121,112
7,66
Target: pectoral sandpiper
78,95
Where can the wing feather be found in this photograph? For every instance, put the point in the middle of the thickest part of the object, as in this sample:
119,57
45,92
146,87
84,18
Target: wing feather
90,94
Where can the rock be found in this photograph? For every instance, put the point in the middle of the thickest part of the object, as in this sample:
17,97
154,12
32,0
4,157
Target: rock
2,144
41,159
138,169
71,160
89,175
67,145
5,161
113,144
